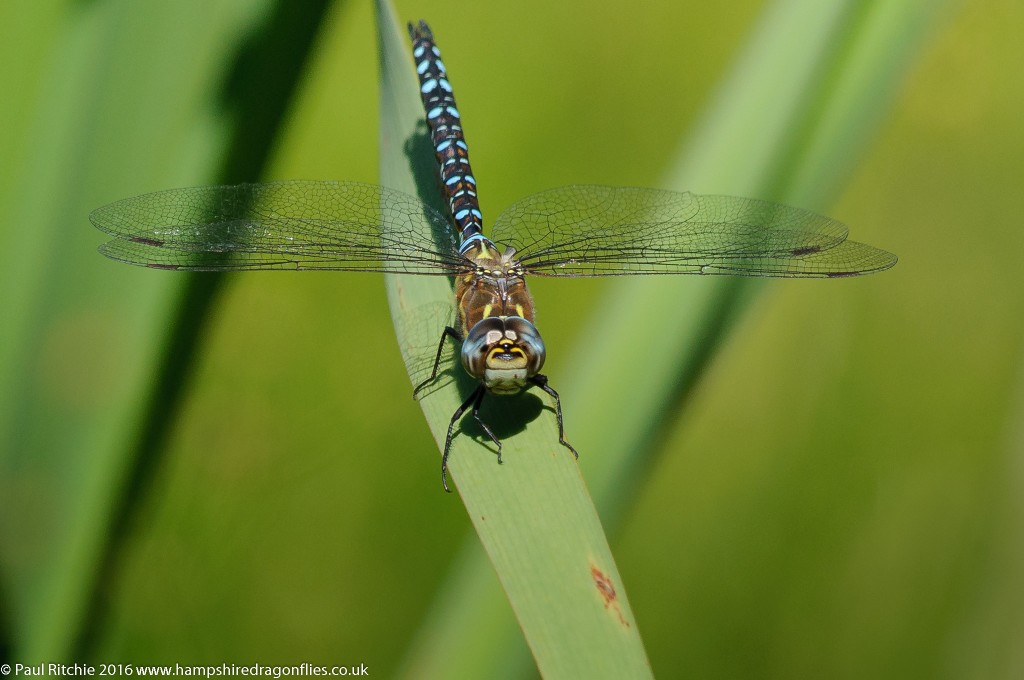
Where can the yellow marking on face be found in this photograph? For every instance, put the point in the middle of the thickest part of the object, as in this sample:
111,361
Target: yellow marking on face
518,362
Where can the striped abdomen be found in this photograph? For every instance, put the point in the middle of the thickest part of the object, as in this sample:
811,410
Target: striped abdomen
446,132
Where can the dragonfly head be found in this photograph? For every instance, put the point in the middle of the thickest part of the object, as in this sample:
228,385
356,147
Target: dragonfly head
504,352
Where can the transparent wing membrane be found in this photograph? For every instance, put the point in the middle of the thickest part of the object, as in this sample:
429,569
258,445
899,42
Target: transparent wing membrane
429,321
609,231
343,226
571,231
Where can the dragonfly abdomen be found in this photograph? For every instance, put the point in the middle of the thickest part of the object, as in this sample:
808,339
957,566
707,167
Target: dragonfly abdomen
450,146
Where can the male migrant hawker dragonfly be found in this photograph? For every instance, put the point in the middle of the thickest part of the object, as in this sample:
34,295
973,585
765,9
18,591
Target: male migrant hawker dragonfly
574,231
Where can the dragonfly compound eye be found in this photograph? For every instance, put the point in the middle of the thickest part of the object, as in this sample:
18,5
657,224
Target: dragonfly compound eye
503,352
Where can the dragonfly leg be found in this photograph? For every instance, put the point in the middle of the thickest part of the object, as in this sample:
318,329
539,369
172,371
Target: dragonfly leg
447,332
541,381
476,414
474,400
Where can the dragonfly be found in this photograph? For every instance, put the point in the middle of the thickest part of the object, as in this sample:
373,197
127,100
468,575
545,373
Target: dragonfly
573,231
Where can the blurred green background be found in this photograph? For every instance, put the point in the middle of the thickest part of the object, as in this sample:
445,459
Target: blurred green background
840,496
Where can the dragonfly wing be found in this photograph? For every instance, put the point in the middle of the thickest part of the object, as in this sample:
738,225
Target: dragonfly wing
427,324
344,226
608,231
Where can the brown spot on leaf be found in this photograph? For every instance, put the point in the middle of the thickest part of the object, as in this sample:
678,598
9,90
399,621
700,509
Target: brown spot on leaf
604,585
607,591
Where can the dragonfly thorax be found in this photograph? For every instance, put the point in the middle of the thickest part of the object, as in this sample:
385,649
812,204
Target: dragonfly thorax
492,285
504,352
488,260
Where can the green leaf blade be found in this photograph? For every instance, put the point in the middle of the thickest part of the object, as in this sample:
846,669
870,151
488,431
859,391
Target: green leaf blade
532,514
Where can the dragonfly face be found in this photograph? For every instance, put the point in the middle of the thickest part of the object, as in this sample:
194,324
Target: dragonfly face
503,352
